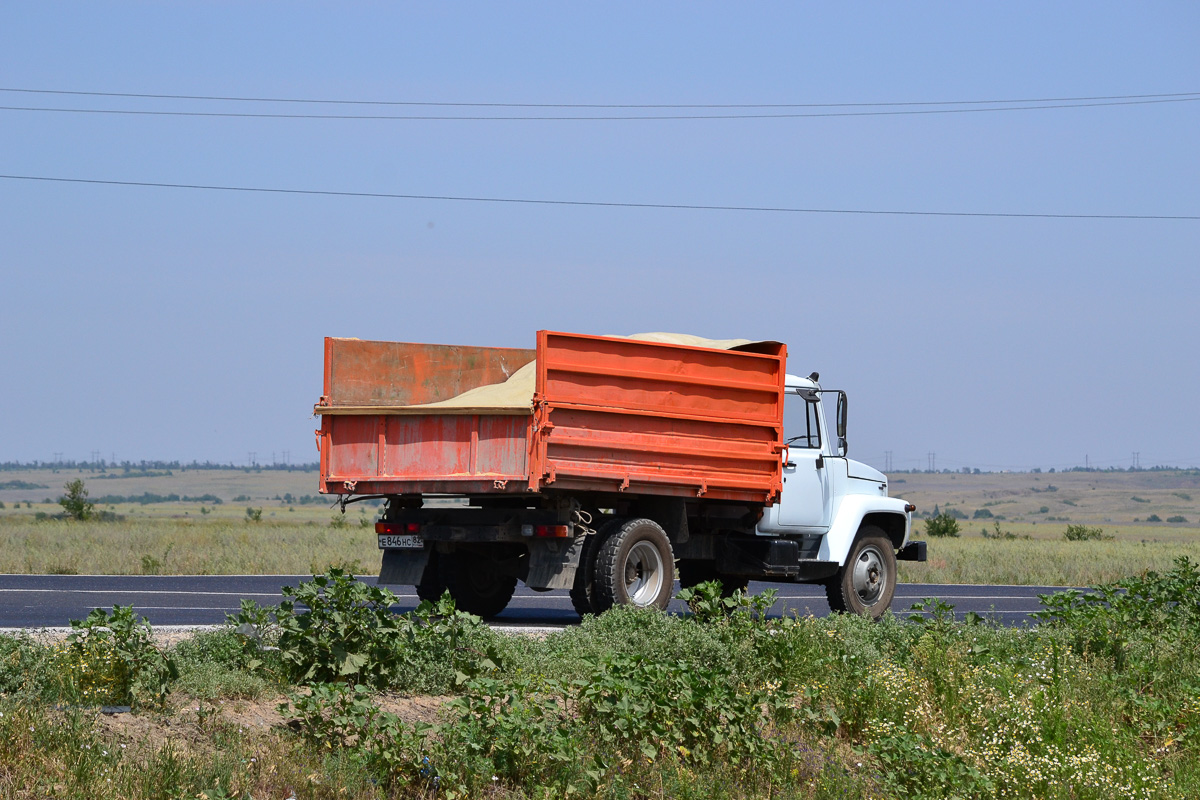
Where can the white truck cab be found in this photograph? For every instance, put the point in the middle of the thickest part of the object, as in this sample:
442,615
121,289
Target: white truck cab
838,508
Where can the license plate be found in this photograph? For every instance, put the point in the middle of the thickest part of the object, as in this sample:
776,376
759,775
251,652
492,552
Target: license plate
388,541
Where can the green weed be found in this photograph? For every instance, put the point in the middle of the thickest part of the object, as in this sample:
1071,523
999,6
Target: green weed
110,659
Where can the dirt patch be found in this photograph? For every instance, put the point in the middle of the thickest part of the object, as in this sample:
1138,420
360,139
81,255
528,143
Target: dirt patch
145,733
187,724
413,709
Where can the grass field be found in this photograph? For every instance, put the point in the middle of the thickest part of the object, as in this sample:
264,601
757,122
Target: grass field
211,538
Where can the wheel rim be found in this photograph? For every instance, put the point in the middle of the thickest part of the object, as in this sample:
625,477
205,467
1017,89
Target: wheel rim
643,574
870,575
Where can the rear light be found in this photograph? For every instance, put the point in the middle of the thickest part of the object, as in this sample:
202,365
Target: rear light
397,527
909,507
552,531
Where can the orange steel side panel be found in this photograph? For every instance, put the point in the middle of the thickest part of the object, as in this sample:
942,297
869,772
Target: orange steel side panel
366,373
650,418
418,453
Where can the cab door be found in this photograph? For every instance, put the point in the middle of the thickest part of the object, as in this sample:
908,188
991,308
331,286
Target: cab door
807,493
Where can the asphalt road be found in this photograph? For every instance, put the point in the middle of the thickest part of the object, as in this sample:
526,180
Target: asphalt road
46,601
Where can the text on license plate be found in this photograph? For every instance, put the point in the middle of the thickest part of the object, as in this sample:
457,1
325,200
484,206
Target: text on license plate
389,540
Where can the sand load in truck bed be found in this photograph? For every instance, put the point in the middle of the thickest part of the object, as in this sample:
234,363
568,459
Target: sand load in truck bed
516,393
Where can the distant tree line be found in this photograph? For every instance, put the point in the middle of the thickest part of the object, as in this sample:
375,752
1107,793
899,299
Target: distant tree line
22,485
147,498
1193,471
304,499
104,465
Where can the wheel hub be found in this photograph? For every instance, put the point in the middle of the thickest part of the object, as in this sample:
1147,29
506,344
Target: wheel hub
869,579
643,574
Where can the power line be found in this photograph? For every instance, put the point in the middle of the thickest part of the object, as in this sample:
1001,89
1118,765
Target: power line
581,118
429,103
601,203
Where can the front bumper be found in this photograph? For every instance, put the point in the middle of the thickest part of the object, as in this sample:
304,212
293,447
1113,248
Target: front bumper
913,551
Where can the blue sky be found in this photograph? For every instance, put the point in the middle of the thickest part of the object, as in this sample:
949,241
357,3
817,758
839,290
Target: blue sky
159,323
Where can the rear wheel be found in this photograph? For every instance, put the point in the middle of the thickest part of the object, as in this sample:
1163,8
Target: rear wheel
635,566
584,588
475,584
866,582
431,586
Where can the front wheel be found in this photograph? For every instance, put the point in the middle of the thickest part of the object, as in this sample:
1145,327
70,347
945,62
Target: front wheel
635,566
867,581
475,584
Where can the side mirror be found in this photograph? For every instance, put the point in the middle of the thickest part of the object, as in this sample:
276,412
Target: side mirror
841,422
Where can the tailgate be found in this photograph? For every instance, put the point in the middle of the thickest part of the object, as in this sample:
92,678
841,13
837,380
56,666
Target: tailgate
374,441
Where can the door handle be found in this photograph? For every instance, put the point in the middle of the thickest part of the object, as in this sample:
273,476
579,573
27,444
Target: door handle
820,462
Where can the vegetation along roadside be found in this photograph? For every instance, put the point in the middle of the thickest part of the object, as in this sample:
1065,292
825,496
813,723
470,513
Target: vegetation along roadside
331,695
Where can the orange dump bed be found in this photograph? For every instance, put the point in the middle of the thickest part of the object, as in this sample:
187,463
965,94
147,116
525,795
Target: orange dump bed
603,414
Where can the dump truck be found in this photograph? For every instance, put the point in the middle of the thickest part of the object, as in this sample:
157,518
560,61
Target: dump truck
604,466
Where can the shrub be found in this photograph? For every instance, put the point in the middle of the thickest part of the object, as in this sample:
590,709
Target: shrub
1177,518
955,513
75,503
647,709
1083,533
981,513
941,525
253,514
22,665
111,659
996,533
346,632
349,634
1154,518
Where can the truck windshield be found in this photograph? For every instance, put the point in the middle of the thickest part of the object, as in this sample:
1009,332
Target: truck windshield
800,426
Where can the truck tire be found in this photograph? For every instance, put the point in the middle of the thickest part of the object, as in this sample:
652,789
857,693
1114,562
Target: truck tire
584,588
692,572
866,582
635,566
475,585
431,586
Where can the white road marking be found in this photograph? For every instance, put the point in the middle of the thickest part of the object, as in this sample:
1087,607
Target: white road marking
144,591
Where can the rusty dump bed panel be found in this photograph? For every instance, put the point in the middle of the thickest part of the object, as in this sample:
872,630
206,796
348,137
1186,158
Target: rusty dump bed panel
608,415
372,444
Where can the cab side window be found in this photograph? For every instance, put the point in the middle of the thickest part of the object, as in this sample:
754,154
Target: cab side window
800,426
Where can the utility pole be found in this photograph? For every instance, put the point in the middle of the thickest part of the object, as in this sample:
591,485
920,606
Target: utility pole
887,461
1086,463
287,456
58,459
251,456
1137,459
932,460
